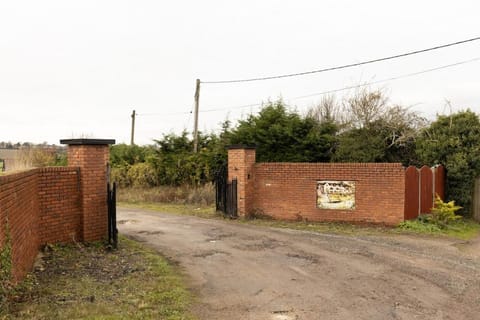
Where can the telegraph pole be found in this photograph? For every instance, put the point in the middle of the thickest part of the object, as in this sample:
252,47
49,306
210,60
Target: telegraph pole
133,129
195,126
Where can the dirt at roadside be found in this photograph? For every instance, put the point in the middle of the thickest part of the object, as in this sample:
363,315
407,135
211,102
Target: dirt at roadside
68,263
248,272
89,281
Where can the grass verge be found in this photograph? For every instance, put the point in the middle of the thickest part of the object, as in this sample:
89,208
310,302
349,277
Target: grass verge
88,282
463,229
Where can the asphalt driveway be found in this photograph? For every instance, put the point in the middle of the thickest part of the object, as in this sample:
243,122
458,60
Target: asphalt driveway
243,272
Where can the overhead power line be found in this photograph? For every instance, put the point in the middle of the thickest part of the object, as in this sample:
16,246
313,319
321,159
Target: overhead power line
353,86
343,66
386,80
163,114
213,109
243,106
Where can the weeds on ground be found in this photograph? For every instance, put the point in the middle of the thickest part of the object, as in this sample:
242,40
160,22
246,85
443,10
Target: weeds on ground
188,200
5,270
323,227
442,221
88,282
462,229
190,210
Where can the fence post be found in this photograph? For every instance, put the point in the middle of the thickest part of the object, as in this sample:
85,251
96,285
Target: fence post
412,195
476,200
439,174
426,189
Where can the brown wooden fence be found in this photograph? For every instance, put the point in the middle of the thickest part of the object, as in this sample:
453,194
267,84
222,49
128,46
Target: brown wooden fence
421,186
476,200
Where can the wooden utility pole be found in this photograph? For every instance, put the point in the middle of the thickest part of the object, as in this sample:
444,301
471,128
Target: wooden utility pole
133,129
195,126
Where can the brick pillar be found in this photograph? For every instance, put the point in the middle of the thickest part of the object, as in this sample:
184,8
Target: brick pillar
241,161
91,156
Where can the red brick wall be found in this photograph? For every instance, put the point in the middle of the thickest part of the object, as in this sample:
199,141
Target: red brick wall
57,204
41,206
19,206
288,191
60,211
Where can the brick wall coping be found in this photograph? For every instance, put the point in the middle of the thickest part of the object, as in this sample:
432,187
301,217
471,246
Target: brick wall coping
58,169
87,141
14,175
11,176
240,146
332,164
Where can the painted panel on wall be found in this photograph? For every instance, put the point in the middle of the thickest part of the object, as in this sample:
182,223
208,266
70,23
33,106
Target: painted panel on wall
336,195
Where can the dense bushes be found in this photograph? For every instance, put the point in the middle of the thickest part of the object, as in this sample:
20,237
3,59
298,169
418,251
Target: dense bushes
282,135
170,161
363,128
454,141
136,175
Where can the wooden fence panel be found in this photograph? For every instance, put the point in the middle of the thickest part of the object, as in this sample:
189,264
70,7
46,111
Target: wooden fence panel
411,193
439,178
476,200
426,189
421,185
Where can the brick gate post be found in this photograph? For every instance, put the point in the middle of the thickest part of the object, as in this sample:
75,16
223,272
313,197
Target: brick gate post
91,156
241,161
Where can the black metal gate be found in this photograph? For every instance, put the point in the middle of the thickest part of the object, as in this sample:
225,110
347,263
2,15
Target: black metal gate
225,193
112,215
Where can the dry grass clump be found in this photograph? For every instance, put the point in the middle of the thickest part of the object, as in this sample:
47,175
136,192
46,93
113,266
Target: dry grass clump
37,157
34,157
200,195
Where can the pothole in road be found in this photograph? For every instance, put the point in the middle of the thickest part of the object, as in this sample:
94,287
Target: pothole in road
259,245
216,234
151,232
283,315
127,221
210,253
306,257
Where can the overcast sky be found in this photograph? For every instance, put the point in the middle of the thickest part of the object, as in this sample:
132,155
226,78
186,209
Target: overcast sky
79,68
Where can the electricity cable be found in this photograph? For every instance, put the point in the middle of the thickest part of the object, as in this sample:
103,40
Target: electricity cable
343,66
355,86
323,92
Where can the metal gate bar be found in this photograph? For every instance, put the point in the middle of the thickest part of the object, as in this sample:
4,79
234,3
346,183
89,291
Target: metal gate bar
231,209
112,215
226,193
